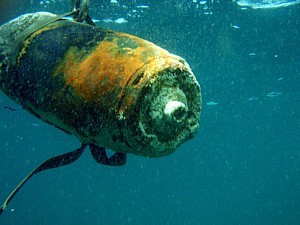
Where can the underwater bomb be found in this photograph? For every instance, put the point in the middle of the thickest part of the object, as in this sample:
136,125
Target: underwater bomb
107,88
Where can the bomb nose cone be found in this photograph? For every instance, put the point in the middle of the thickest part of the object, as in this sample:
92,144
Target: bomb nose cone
168,110
168,107
175,111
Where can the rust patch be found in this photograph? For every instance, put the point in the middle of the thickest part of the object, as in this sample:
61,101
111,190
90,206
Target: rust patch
107,70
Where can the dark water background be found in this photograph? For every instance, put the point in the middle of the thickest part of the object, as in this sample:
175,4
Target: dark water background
243,167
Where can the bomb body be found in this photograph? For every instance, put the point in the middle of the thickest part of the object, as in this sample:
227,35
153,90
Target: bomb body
108,88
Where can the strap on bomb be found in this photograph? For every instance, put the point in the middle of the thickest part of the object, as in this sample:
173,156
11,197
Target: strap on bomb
30,30
81,9
80,14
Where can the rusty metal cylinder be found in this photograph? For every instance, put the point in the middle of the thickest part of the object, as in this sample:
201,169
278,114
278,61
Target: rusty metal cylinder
109,88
